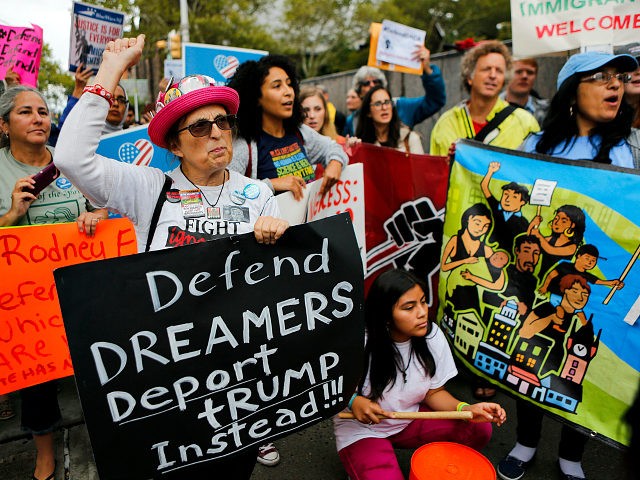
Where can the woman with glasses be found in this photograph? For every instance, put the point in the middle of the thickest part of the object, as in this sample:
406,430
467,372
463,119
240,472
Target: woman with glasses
380,124
273,144
198,201
587,120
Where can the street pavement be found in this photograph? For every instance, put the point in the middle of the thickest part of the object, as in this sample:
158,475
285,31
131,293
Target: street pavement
306,455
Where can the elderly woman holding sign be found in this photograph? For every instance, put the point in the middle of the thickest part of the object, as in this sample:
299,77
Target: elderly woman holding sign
26,196
198,201
587,120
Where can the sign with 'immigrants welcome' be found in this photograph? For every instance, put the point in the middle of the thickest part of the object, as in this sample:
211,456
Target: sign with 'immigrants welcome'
190,355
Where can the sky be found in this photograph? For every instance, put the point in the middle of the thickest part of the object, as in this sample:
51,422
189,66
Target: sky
54,16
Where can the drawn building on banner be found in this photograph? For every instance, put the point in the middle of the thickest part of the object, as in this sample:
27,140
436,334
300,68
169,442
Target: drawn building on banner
493,346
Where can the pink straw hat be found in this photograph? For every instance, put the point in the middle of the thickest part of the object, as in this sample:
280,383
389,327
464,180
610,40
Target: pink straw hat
188,94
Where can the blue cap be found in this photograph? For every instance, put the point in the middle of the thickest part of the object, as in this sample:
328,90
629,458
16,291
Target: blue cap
589,61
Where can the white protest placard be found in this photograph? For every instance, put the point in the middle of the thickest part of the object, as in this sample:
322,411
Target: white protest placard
542,192
347,195
540,27
397,44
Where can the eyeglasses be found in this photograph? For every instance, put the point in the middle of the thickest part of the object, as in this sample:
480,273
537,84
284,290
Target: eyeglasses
379,104
202,128
606,77
372,83
120,99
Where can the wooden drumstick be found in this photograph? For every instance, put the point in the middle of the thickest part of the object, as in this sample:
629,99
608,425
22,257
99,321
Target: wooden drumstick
463,415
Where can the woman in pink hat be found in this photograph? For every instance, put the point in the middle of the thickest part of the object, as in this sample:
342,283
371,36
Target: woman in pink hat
199,200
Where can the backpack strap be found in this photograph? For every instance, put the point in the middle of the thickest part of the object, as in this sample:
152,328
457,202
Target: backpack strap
497,119
247,172
156,211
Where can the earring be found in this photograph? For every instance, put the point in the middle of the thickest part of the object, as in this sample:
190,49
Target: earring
571,110
568,232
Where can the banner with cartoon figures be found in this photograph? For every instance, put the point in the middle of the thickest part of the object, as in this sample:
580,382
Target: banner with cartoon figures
216,61
134,146
539,290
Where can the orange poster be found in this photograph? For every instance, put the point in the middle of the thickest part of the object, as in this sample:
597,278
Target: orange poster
33,343
374,32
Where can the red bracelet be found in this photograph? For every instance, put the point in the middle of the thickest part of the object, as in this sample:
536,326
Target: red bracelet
99,90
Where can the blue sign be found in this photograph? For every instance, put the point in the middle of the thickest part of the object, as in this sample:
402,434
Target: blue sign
216,61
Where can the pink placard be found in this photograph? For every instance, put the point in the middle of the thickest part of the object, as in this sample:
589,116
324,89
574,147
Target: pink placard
21,49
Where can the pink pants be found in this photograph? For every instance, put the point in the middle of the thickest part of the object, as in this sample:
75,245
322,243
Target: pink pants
374,458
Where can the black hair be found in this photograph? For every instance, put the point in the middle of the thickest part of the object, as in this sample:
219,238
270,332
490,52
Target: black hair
382,359
248,80
521,239
475,210
517,188
366,130
560,126
576,215
588,249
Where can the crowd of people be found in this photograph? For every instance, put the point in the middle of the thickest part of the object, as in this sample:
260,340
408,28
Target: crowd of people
263,134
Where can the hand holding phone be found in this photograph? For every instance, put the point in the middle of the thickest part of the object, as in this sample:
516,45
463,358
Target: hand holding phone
43,178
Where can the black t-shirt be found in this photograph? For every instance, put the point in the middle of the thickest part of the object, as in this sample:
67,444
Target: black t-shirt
279,157
568,268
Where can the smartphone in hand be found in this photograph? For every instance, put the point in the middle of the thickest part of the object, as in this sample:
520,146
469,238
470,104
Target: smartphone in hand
43,178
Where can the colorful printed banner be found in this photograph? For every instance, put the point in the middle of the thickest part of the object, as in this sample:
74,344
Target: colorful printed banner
33,342
540,27
216,61
539,281
237,343
404,212
20,51
134,146
91,29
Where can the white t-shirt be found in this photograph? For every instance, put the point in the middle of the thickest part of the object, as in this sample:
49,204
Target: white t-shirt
133,190
402,397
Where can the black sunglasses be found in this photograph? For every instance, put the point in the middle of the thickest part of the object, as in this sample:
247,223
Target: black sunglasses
373,83
202,128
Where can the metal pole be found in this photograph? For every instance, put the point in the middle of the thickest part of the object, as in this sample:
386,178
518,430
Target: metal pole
184,21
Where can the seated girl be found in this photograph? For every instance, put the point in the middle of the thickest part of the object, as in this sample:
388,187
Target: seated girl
407,363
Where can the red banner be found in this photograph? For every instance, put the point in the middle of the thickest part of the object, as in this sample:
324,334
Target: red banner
33,342
405,195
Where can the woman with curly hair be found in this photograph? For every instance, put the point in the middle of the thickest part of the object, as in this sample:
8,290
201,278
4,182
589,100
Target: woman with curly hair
273,144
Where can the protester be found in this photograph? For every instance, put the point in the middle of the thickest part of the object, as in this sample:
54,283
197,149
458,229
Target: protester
410,110
273,144
194,121
632,88
484,116
130,120
26,124
116,117
380,124
407,364
353,101
587,119
520,92
336,117
316,114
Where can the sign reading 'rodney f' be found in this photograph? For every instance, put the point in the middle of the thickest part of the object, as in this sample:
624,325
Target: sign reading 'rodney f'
192,354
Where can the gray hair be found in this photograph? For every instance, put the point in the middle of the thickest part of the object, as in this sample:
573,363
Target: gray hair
365,72
8,103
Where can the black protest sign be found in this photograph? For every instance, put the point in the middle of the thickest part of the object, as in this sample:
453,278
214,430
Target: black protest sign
189,355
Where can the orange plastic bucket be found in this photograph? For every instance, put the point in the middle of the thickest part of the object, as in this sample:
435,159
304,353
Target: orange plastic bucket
450,461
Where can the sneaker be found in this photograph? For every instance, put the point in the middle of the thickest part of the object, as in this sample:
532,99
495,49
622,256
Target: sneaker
511,468
268,455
